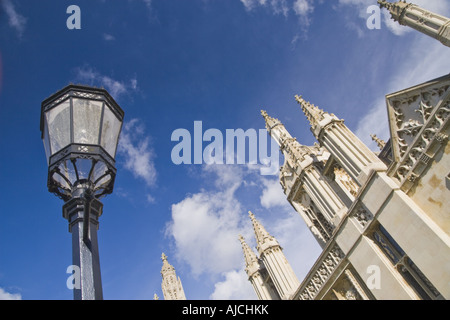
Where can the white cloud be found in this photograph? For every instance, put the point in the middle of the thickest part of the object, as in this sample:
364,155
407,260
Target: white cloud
235,287
272,195
303,7
115,88
205,228
15,20
134,147
9,296
206,225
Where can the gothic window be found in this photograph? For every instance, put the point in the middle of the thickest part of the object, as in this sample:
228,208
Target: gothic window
404,265
325,226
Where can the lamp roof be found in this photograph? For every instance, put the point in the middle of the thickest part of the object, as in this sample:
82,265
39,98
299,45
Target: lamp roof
83,92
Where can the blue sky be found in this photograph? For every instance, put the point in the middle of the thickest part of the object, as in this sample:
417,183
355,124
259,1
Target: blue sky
169,63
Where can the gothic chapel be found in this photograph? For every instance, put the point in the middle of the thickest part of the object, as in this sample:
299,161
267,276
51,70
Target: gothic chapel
382,219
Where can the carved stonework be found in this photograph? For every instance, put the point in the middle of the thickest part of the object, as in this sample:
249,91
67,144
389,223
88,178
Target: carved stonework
320,273
344,179
295,152
361,215
417,117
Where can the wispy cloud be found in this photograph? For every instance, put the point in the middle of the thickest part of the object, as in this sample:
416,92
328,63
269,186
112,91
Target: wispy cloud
276,6
427,61
15,20
134,147
115,87
361,6
251,4
148,3
108,37
303,9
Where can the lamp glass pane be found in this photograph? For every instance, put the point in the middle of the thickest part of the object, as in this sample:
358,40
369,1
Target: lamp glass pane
84,167
61,181
46,141
110,131
86,120
58,122
68,171
99,170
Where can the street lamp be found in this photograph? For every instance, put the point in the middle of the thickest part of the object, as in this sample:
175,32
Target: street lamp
80,128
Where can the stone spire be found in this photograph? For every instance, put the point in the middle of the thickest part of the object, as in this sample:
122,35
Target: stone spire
167,267
251,260
274,261
171,285
380,143
427,22
318,119
263,239
292,150
347,149
312,113
270,122
257,274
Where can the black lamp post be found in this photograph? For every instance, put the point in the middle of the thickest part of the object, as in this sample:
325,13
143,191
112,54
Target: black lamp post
80,128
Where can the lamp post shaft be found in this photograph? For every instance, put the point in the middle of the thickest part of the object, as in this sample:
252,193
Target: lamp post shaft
85,253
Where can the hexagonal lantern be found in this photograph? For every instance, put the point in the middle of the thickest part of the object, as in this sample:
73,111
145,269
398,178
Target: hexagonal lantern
80,127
